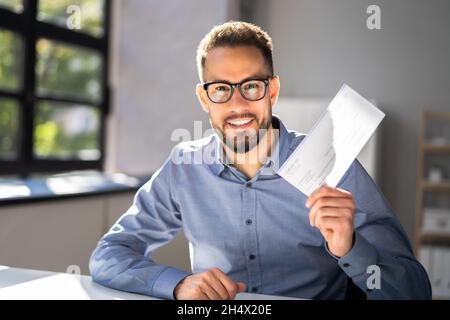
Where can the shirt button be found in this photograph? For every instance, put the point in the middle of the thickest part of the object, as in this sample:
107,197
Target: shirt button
346,265
255,289
248,184
252,257
249,222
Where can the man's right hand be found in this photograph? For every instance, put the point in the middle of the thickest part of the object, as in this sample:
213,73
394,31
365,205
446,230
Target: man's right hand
209,285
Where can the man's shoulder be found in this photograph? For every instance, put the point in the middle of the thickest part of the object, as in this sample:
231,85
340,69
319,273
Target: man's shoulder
197,145
296,134
295,137
183,155
199,152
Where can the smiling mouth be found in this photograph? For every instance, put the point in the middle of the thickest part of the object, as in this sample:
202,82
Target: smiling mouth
240,123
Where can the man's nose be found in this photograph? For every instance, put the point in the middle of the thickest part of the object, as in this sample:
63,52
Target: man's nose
237,98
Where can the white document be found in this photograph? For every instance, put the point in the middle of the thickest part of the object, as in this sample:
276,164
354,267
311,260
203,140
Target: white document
333,143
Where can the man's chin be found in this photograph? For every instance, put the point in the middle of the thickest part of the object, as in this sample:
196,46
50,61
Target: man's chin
241,144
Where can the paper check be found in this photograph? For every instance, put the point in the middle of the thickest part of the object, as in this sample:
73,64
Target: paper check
333,143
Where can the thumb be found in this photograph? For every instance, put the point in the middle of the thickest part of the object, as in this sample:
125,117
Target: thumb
241,287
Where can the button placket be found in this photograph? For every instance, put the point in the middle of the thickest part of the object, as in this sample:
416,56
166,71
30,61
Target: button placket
251,245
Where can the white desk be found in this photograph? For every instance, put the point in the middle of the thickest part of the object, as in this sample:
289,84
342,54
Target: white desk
25,284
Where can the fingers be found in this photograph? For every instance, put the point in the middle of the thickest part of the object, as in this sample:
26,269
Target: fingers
210,291
241,287
333,202
229,285
331,206
192,288
332,212
327,225
331,225
213,284
326,191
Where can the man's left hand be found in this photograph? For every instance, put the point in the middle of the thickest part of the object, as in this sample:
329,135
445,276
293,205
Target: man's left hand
332,212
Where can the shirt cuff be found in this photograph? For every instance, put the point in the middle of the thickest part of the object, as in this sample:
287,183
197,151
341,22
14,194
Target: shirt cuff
167,281
362,255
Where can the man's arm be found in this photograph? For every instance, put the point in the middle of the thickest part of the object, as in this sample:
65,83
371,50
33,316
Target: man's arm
123,257
363,234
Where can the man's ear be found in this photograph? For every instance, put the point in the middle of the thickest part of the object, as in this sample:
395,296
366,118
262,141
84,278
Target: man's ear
274,89
202,97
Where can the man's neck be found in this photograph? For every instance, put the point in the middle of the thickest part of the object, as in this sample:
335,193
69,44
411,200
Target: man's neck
250,162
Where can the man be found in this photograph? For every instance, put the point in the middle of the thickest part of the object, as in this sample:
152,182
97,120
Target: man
248,229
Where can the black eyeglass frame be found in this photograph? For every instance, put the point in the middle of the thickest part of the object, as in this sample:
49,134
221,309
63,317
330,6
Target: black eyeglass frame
238,85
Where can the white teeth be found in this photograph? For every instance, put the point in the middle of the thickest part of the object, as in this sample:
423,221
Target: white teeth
240,122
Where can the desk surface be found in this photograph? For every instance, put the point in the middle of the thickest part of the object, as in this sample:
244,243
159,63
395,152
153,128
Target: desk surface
24,284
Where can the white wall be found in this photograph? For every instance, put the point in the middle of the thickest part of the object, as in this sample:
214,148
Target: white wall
405,66
50,236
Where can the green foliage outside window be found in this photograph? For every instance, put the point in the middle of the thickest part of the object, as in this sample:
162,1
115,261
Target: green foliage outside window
63,131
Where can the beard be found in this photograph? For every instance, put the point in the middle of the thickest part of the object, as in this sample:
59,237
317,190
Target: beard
243,141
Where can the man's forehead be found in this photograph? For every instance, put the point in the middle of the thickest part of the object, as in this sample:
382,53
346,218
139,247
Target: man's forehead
234,64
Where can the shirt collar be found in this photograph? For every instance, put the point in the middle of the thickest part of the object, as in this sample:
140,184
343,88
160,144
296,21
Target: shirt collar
279,154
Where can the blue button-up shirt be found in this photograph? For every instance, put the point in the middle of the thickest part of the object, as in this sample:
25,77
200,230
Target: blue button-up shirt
255,230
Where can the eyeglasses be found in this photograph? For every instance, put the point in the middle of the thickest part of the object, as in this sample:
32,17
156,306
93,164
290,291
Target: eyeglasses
251,89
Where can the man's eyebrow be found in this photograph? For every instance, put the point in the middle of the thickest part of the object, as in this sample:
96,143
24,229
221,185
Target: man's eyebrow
257,76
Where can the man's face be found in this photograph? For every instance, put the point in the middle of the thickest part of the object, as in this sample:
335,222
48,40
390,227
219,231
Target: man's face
230,119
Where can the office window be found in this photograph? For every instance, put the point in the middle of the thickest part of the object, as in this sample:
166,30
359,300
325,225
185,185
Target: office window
54,93
10,60
64,70
55,12
9,129
13,5
66,131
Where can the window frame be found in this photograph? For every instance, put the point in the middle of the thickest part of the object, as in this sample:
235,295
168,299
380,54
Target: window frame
31,30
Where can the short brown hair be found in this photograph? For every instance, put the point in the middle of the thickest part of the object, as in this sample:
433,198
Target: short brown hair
234,34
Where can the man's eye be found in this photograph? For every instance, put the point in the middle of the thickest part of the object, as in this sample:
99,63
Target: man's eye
251,86
221,88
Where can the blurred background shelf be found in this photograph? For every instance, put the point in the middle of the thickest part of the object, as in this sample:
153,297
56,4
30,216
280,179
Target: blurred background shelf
437,148
432,241
433,186
435,237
